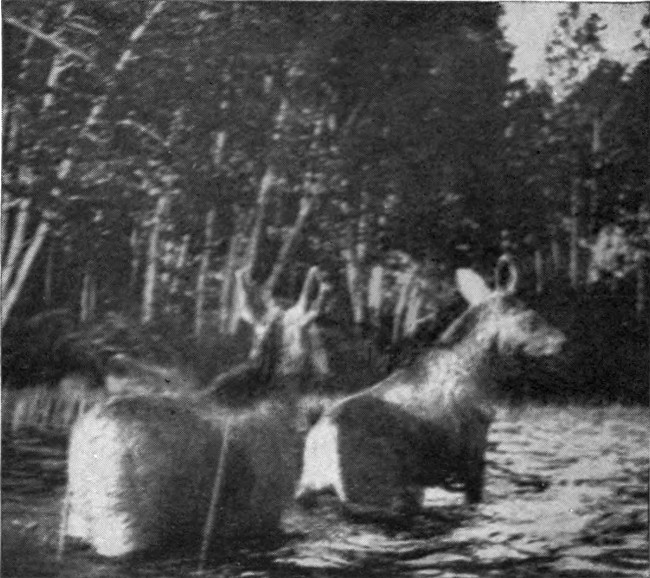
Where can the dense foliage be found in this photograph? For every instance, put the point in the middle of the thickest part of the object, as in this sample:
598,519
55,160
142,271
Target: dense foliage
140,139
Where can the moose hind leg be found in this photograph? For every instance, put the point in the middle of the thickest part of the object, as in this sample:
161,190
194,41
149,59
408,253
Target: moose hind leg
474,480
374,477
474,466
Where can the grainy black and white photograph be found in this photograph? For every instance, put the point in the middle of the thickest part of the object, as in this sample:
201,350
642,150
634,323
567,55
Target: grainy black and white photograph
325,289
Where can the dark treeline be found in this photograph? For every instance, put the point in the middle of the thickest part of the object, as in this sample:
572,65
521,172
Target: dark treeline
153,148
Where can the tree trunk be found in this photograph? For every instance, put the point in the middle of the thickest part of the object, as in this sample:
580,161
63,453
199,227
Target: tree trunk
203,272
596,148
151,266
353,277
16,245
134,241
641,282
376,294
226,284
406,283
179,267
267,182
413,307
58,66
10,297
556,253
84,299
92,295
88,301
306,207
225,296
539,272
574,272
7,205
6,105
354,287
49,271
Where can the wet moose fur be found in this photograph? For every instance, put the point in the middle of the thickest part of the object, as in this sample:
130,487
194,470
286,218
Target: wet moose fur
141,468
427,423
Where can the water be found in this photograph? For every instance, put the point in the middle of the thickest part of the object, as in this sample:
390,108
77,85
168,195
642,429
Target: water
566,495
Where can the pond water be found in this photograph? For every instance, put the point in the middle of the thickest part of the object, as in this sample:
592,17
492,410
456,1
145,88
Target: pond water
566,495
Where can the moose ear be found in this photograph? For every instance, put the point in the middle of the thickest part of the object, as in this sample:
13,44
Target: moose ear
506,285
472,286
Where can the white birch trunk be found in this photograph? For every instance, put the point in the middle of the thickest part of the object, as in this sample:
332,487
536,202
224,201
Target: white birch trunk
16,245
203,273
289,244
134,242
539,272
11,296
266,184
574,272
178,271
151,271
84,300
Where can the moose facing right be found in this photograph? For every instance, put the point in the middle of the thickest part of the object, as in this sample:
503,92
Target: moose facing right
427,423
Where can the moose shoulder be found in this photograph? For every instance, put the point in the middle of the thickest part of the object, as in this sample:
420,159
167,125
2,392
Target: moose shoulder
427,423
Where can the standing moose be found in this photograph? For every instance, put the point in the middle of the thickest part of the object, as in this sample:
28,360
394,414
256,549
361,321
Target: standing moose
427,423
141,468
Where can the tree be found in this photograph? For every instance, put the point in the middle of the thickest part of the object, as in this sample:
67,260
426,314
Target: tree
573,51
264,114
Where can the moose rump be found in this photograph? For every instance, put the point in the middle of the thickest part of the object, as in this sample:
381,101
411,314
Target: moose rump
141,473
427,423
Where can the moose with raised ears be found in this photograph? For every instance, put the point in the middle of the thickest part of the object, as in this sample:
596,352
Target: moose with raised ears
144,471
285,344
286,348
427,423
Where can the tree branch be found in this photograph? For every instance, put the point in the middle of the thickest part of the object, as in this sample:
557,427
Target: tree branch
49,38
125,58
142,129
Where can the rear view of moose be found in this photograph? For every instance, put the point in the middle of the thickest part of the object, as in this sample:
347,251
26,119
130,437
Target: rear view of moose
427,423
144,470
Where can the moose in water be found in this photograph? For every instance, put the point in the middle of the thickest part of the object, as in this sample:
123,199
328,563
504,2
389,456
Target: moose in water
427,423
144,470
270,359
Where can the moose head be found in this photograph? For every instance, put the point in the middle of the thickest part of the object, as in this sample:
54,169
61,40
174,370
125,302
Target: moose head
285,340
498,317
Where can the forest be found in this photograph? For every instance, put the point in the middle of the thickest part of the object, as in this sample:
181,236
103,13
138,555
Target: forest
153,149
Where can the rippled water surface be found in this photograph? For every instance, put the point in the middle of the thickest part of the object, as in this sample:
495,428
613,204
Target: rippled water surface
566,495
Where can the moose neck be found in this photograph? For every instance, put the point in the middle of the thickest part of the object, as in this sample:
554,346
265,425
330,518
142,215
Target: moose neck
471,342
270,357
283,363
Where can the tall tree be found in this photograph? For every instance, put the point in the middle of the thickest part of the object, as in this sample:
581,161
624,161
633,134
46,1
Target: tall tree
573,51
